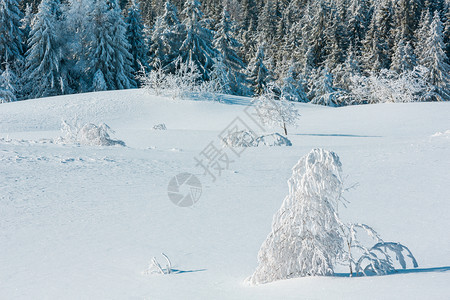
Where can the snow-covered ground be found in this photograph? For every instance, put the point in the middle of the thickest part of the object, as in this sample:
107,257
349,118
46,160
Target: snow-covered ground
80,222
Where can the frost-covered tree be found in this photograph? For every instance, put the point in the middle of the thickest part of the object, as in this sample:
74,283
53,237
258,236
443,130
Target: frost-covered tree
345,71
221,77
226,44
108,48
404,58
197,46
8,81
436,61
292,84
377,41
356,22
323,91
274,109
305,239
257,72
308,238
135,34
27,20
247,24
77,22
11,35
390,86
166,38
45,75
421,34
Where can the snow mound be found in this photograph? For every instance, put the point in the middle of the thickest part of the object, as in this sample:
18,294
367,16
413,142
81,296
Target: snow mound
161,126
88,134
445,134
274,139
246,138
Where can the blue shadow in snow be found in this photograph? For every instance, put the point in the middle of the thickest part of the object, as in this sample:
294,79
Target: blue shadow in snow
175,271
405,271
338,135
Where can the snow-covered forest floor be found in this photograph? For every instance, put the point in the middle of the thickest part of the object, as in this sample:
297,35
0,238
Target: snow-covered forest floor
81,222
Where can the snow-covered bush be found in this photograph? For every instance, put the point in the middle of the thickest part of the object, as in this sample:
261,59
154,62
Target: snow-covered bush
374,260
241,138
445,134
274,109
153,81
308,238
161,126
389,86
183,84
305,239
274,139
88,134
246,138
154,266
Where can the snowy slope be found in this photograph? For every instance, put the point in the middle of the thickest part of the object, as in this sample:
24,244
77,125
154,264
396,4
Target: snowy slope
81,222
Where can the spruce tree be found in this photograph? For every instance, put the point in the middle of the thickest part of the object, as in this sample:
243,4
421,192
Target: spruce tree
11,35
44,74
377,44
403,58
26,22
226,45
435,59
77,22
108,50
135,34
257,72
421,33
356,23
8,82
166,39
197,48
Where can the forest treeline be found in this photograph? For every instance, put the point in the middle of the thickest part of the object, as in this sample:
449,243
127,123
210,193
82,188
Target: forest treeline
331,52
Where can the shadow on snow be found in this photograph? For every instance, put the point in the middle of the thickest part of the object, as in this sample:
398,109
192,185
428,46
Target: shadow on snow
338,135
406,271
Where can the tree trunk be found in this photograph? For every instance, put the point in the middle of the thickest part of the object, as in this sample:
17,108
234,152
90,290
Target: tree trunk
285,130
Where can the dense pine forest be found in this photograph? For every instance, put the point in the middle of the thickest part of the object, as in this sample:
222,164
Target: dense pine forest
330,52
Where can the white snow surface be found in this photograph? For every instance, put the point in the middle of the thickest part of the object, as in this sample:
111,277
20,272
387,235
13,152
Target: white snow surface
79,222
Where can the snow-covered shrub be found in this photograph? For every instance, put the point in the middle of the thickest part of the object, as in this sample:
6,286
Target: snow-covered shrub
308,238
305,239
246,138
88,134
183,84
241,138
375,259
274,109
389,86
445,134
154,266
274,139
161,126
153,81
